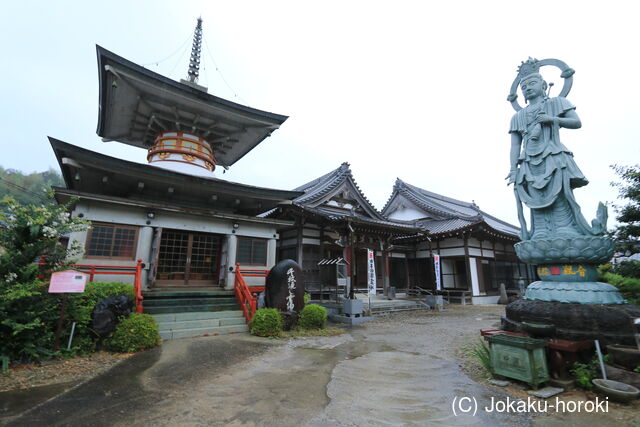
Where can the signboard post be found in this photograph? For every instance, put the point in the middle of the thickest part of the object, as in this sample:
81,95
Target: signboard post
371,275
63,282
436,265
371,272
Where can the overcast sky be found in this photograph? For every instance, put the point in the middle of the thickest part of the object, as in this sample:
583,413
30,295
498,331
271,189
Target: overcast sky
415,90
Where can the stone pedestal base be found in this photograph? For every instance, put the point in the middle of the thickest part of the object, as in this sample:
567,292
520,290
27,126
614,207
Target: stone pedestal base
611,324
574,292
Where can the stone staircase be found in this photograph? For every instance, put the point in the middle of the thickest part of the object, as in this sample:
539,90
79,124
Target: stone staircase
192,312
382,308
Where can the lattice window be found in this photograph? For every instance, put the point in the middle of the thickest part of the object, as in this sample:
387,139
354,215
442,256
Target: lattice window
252,251
111,241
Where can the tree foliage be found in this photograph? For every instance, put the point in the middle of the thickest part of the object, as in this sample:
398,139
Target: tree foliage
28,188
628,232
27,312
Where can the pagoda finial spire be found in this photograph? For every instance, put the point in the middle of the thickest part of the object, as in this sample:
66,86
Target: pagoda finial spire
194,61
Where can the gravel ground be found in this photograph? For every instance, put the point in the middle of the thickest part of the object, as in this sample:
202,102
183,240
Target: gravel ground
76,369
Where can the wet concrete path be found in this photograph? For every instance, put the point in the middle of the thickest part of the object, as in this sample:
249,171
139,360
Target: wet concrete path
393,371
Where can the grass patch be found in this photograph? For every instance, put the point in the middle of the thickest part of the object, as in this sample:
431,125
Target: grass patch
303,333
475,360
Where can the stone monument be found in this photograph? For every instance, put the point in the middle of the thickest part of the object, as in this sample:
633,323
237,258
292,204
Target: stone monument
284,290
568,302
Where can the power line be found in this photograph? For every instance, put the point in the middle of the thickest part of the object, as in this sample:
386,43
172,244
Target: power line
178,61
173,53
220,72
24,190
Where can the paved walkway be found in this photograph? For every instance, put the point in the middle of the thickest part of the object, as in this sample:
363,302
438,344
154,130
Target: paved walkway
397,370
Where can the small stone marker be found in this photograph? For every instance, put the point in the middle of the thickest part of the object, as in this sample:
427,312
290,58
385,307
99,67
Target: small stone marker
504,299
546,392
499,383
284,287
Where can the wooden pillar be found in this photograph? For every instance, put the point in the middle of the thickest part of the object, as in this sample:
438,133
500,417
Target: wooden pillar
299,249
466,260
407,271
434,273
322,242
386,282
495,277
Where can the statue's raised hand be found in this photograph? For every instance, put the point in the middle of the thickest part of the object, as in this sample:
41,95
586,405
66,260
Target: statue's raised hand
544,118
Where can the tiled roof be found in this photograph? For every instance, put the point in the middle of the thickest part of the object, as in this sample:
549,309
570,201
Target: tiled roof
315,191
337,216
450,214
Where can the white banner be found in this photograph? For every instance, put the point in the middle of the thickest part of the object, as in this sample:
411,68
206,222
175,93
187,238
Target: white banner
371,272
436,265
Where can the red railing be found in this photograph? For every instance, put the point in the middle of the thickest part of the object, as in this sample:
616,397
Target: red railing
123,270
248,295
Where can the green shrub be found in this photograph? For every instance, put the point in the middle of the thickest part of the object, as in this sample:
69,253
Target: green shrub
307,298
628,286
584,373
266,322
627,269
313,316
28,315
134,333
80,307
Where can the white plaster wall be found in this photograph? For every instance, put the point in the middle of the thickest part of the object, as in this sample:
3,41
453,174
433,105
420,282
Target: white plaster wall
475,252
452,252
474,242
406,214
131,215
451,242
475,284
232,246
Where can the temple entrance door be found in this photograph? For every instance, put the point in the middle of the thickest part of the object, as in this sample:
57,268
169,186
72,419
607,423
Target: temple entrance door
398,273
188,259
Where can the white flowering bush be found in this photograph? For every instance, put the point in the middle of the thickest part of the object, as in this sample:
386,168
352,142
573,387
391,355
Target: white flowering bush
29,233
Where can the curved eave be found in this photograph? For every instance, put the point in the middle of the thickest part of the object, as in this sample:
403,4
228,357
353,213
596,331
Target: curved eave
259,123
479,226
93,166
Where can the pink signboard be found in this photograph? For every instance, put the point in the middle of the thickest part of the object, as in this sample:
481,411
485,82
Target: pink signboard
67,281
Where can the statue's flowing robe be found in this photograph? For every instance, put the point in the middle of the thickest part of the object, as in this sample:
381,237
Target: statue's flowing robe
547,172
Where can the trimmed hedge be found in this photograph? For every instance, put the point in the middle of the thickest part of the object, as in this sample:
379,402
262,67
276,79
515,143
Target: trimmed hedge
134,333
313,316
266,322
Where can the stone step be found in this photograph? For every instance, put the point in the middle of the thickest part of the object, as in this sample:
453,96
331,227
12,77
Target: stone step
188,308
164,302
197,315
197,324
178,293
220,330
383,311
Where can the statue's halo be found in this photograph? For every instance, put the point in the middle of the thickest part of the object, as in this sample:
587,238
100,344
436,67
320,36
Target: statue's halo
566,73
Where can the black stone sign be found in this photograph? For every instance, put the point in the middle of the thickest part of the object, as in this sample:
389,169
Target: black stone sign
284,288
107,311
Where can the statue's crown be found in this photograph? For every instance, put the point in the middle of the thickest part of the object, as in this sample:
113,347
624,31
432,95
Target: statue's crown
529,66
